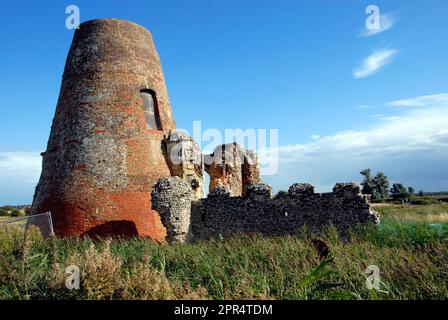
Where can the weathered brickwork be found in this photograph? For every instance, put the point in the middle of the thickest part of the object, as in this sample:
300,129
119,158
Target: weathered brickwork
101,160
232,166
220,214
250,170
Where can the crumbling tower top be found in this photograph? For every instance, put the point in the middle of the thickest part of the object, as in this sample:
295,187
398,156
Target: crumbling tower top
112,60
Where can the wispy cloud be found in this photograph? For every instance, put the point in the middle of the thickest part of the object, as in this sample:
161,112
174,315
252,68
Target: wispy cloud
20,161
19,174
411,148
387,21
374,62
435,100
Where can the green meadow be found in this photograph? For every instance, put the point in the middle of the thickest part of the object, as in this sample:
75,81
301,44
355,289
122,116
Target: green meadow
410,248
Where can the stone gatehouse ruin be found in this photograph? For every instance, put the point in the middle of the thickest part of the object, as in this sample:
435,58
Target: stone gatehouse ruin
116,166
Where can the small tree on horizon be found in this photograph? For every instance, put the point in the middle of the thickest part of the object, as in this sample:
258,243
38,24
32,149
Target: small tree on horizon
15,213
367,184
3,213
7,208
380,186
399,191
281,193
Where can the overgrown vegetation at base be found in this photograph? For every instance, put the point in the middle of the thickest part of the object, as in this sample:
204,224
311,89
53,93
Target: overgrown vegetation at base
412,255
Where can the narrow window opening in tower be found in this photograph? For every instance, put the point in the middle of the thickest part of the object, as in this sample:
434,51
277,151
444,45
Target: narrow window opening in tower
150,108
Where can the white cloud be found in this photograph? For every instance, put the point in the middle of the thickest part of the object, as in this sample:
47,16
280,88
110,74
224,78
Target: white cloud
19,174
411,148
374,62
19,161
387,22
435,100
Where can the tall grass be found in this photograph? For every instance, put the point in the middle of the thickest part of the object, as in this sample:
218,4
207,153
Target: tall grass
414,213
413,261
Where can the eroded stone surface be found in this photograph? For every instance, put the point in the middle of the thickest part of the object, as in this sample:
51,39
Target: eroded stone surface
185,160
298,189
250,170
232,166
220,191
350,189
259,191
172,198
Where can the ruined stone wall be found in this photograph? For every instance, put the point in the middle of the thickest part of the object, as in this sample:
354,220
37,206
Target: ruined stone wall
224,168
101,160
250,170
233,167
220,214
172,198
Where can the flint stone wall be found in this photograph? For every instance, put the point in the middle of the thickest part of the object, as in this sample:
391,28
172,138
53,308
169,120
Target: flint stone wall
172,198
222,215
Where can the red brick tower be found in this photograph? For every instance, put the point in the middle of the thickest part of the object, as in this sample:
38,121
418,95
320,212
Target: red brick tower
105,150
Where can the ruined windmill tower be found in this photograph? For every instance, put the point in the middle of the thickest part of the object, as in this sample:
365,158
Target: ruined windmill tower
106,146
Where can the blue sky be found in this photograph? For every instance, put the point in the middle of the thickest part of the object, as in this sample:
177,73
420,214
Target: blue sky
342,99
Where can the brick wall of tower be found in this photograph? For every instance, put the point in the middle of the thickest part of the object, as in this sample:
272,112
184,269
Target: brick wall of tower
101,160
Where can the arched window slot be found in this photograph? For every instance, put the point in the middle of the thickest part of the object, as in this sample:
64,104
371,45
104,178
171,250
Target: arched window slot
150,109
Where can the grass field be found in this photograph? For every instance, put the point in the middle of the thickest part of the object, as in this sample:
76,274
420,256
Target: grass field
410,247
437,213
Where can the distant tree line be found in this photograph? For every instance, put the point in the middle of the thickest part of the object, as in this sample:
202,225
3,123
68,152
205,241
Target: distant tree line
378,187
11,211
438,193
